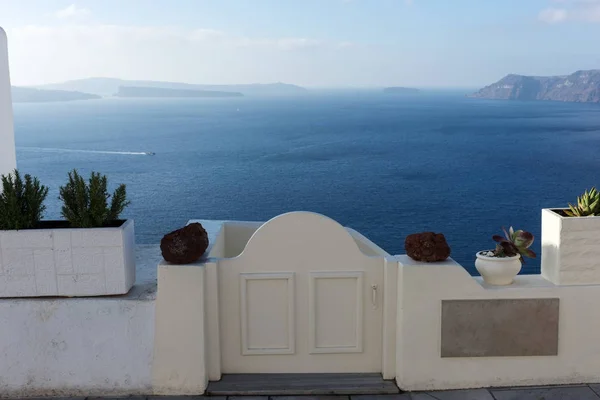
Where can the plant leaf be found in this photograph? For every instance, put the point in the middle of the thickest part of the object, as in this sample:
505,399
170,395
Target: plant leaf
498,238
506,234
85,204
528,253
21,201
509,248
523,239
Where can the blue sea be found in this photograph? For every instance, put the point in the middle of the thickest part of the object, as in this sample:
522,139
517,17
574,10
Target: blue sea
385,165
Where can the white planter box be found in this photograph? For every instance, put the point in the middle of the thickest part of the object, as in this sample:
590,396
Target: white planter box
67,262
570,249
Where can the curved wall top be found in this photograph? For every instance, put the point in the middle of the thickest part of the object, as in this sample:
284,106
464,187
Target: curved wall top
302,235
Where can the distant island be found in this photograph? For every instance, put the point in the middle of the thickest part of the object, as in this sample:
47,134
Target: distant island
581,87
97,88
400,90
31,95
107,87
137,92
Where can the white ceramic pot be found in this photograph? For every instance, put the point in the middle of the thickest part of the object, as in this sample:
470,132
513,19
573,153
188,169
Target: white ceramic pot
498,270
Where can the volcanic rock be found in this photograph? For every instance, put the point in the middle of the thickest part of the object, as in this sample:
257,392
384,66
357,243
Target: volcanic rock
427,247
185,245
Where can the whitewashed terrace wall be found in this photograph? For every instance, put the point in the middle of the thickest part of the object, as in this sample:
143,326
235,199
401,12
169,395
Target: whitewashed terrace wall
184,363
76,347
295,243
114,346
422,287
8,160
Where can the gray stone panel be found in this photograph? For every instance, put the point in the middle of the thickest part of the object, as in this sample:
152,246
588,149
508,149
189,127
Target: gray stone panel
500,327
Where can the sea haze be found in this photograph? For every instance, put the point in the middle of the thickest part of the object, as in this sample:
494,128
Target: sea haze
385,165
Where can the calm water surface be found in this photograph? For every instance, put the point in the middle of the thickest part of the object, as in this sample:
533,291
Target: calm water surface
387,166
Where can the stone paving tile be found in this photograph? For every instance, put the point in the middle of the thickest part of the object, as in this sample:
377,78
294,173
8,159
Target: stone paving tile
550,393
309,398
469,394
45,398
401,396
182,398
421,396
247,397
595,387
185,398
115,398
201,397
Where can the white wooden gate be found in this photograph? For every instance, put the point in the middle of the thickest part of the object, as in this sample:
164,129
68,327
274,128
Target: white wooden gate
301,297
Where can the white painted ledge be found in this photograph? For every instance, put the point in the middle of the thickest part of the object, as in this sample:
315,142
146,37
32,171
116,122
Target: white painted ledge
406,261
520,282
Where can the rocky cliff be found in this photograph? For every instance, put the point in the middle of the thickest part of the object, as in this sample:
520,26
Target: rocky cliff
581,86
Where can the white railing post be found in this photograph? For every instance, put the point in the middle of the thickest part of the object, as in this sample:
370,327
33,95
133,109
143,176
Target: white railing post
8,160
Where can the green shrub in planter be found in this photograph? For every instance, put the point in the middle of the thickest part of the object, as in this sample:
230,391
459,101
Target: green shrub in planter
21,201
85,204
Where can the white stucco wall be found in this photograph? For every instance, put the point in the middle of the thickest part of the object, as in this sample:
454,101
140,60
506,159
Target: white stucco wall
422,287
7,139
192,337
180,357
69,347
81,346
117,346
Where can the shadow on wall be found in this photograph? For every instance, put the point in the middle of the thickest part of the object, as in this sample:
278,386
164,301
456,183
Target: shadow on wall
550,262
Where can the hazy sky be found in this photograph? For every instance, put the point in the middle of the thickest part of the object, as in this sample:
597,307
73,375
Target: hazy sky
424,43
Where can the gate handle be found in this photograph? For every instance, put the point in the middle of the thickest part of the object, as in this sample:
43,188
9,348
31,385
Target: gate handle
374,298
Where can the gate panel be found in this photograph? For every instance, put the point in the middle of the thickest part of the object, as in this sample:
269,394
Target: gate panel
301,298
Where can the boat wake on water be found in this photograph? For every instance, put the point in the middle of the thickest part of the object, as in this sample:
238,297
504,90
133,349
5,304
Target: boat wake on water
56,150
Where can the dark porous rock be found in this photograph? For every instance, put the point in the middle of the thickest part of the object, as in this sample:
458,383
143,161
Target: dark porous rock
185,245
427,246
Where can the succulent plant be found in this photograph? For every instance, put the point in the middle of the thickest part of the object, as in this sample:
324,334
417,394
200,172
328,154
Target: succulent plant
587,204
514,243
